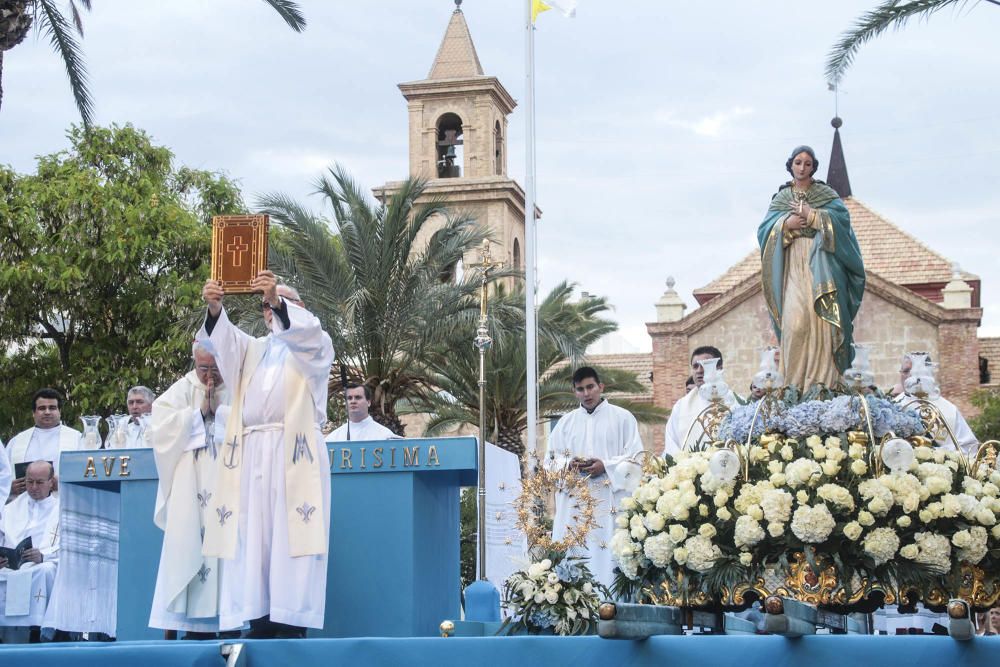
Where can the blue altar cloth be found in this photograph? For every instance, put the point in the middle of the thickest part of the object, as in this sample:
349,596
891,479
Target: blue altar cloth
745,651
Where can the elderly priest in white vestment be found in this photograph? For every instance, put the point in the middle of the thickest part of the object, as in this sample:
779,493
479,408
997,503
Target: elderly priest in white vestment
684,414
359,424
602,441
47,438
35,515
186,450
270,514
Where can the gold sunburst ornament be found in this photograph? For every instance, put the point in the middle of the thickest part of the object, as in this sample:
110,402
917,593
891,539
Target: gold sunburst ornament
536,491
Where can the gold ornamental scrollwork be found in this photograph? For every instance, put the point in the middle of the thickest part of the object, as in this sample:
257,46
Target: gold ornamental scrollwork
535,493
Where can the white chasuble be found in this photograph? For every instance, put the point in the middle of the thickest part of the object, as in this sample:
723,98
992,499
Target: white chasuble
187,583
610,434
683,418
366,429
269,517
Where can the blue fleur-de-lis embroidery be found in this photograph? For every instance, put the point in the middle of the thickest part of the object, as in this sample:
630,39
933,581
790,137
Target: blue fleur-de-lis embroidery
203,573
224,514
306,512
301,450
204,497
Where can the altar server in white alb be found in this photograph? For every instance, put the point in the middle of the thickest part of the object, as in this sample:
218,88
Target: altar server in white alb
47,438
359,424
270,513
684,415
186,446
601,441
34,514
968,443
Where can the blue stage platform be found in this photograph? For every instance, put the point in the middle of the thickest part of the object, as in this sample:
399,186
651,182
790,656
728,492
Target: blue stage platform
745,651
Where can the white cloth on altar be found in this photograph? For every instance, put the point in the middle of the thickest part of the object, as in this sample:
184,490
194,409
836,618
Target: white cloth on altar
263,579
366,429
685,414
506,546
186,596
85,594
43,444
611,434
968,443
22,518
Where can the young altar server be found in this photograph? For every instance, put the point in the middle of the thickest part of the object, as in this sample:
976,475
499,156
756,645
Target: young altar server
270,513
601,441
186,450
359,424
684,415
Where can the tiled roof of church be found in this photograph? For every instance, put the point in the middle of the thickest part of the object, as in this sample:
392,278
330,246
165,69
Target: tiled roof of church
456,57
888,251
989,349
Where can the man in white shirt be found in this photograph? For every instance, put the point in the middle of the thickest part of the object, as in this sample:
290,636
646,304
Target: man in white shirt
139,402
601,441
46,439
968,443
34,514
684,415
360,425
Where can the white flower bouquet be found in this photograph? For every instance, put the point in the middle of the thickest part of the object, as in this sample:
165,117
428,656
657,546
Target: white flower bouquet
556,594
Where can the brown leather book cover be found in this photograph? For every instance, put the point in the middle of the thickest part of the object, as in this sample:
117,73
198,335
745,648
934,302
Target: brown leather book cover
239,250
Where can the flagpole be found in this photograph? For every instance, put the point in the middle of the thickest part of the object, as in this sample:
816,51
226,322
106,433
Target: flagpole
530,238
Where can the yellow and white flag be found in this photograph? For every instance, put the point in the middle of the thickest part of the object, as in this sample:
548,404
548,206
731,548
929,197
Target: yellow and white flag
567,7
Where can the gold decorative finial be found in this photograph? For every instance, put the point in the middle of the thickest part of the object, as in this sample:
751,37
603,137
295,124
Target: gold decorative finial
447,628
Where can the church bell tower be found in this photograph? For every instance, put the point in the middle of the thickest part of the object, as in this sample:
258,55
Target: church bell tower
458,141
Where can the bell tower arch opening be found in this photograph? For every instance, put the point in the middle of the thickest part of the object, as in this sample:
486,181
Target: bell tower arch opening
450,152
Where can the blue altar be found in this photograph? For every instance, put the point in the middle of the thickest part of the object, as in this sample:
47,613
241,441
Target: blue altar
394,536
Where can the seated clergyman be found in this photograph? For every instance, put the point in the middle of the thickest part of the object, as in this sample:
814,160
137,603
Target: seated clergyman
30,527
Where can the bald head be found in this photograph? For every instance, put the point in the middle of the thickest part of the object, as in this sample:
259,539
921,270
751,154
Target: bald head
290,293
39,478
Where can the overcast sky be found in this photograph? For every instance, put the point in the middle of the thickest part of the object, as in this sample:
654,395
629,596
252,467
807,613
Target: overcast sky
663,126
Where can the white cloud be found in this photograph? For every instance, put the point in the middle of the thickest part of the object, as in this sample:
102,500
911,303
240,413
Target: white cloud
712,125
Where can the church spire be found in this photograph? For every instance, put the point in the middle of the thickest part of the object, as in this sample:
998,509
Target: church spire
836,175
456,57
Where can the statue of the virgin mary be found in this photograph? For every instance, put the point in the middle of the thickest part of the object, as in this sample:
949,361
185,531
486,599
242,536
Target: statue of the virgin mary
813,275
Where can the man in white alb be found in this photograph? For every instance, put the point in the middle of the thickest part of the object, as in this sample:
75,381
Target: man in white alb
359,424
34,514
46,439
968,443
684,415
601,441
139,402
270,513
186,450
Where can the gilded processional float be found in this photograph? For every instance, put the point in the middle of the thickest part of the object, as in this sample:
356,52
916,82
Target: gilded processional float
822,504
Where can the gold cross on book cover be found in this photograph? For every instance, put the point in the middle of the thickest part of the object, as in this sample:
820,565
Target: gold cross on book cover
239,250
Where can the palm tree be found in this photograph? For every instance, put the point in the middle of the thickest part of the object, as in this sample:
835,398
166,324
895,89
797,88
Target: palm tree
565,329
384,296
889,14
17,17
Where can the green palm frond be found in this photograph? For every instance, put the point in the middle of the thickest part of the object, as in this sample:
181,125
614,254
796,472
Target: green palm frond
290,12
51,22
889,14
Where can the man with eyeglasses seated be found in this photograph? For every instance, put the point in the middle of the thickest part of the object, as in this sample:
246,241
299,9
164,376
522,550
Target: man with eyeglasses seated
46,439
183,437
28,580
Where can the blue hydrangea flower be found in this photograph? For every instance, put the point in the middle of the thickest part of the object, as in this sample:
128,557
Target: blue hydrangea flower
567,571
542,618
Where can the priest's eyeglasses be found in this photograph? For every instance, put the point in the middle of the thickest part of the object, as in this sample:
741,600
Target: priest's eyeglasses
207,369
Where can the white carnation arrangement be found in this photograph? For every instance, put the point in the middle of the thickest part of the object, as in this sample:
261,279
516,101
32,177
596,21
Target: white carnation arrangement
818,495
